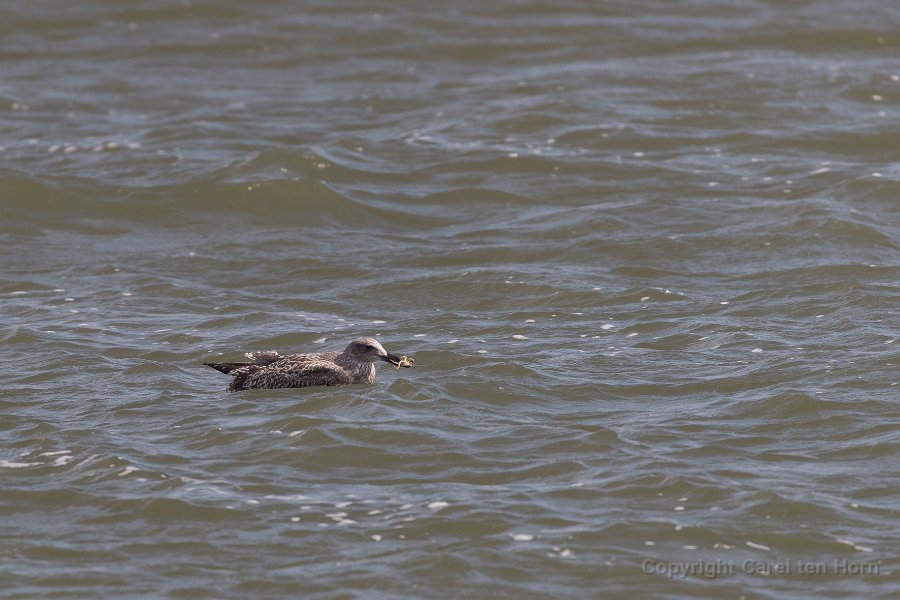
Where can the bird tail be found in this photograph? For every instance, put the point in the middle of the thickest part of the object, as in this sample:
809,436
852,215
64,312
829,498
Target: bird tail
227,367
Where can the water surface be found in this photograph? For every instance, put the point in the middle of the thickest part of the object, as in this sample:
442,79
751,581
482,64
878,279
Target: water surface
645,255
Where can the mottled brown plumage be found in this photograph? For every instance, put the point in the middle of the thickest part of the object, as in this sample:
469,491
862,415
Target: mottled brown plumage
271,370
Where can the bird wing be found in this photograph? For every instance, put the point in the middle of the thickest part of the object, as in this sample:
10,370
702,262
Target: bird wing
264,357
292,373
310,357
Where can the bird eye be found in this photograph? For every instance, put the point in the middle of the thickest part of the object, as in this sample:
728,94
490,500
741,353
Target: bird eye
370,347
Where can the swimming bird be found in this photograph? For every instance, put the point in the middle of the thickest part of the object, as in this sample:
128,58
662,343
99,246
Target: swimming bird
271,370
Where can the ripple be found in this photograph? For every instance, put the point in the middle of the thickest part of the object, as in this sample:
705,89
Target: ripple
648,276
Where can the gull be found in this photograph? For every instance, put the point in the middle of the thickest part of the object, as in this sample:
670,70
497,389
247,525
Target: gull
270,370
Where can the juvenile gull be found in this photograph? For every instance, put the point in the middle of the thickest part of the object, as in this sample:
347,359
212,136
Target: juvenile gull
270,370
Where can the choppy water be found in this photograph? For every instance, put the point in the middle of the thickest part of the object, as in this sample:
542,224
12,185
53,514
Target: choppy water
645,254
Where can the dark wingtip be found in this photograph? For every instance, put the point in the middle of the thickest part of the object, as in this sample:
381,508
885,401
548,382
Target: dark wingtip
223,367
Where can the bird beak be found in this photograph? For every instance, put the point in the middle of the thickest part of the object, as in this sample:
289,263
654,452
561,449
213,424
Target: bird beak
391,358
399,361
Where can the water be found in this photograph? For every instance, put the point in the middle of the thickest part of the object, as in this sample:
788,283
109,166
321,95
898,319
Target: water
645,255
